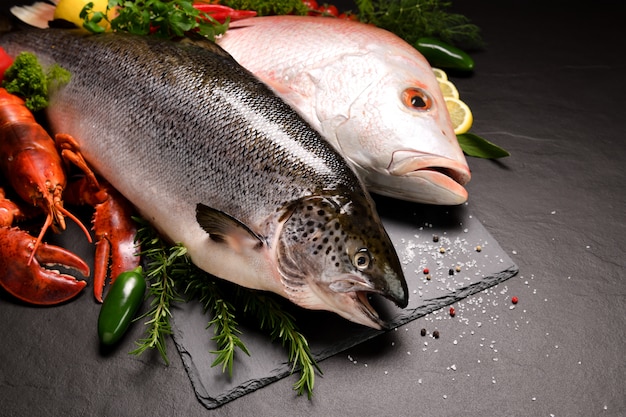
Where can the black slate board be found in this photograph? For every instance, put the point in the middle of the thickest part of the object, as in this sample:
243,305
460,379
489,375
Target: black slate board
412,229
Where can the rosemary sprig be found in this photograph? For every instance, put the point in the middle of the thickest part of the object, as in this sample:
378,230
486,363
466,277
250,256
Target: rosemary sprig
204,288
169,267
161,261
272,316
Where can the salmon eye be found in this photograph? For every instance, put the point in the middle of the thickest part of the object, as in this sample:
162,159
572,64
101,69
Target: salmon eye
417,99
362,259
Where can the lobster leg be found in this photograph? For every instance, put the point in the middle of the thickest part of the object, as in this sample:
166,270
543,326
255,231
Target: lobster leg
112,224
115,234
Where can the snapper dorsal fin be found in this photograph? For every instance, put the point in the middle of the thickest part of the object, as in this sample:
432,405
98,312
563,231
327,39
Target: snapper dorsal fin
222,227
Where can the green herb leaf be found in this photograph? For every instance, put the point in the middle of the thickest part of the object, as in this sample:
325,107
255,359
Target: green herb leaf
474,145
273,317
27,78
200,285
269,7
169,266
162,18
162,262
413,19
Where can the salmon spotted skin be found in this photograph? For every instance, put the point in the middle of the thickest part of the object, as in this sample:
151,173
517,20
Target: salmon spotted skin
215,161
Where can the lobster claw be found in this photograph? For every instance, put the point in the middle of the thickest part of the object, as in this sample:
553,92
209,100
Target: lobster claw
29,281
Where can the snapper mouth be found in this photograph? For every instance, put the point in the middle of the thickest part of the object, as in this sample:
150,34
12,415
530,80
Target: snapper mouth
441,180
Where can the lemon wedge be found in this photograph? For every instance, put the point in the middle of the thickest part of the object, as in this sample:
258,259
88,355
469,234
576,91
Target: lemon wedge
460,115
440,74
448,89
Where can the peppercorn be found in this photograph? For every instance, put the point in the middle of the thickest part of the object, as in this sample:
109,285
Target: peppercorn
450,271
435,238
478,248
426,271
514,300
452,312
436,334
423,332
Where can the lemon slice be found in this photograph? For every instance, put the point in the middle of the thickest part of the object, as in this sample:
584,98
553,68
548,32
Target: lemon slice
70,10
440,74
448,89
460,115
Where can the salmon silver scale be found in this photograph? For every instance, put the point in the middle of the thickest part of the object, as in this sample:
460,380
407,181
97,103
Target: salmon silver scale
215,161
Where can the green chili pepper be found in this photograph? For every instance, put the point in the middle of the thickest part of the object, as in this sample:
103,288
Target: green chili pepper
442,55
120,305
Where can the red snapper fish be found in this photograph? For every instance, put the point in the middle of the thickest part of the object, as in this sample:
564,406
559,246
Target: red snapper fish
369,93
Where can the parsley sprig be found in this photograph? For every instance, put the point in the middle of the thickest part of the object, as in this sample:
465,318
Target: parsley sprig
163,18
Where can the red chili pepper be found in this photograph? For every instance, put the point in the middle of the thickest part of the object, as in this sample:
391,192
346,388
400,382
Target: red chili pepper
220,12
5,62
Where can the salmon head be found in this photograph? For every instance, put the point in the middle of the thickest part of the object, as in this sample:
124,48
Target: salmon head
328,258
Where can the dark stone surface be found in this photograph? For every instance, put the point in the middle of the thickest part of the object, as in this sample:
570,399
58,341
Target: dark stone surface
411,228
549,88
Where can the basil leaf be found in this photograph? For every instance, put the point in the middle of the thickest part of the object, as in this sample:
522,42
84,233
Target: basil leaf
474,145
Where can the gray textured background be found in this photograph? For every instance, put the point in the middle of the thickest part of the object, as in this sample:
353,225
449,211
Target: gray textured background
550,89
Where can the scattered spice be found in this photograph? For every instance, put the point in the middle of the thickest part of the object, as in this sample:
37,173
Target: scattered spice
452,312
442,250
426,271
450,271
479,248
435,238
428,277
436,334
458,268
423,332
514,300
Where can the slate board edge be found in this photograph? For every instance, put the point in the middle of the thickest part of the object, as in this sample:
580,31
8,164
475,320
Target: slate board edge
285,370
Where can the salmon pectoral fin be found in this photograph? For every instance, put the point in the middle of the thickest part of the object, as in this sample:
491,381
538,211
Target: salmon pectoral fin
224,228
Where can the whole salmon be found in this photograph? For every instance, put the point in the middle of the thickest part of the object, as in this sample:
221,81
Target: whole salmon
371,95
214,160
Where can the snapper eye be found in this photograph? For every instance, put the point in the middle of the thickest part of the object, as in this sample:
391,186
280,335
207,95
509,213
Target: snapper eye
362,259
416,99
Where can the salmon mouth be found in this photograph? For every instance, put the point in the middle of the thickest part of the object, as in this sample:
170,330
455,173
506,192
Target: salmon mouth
369,311
440,179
